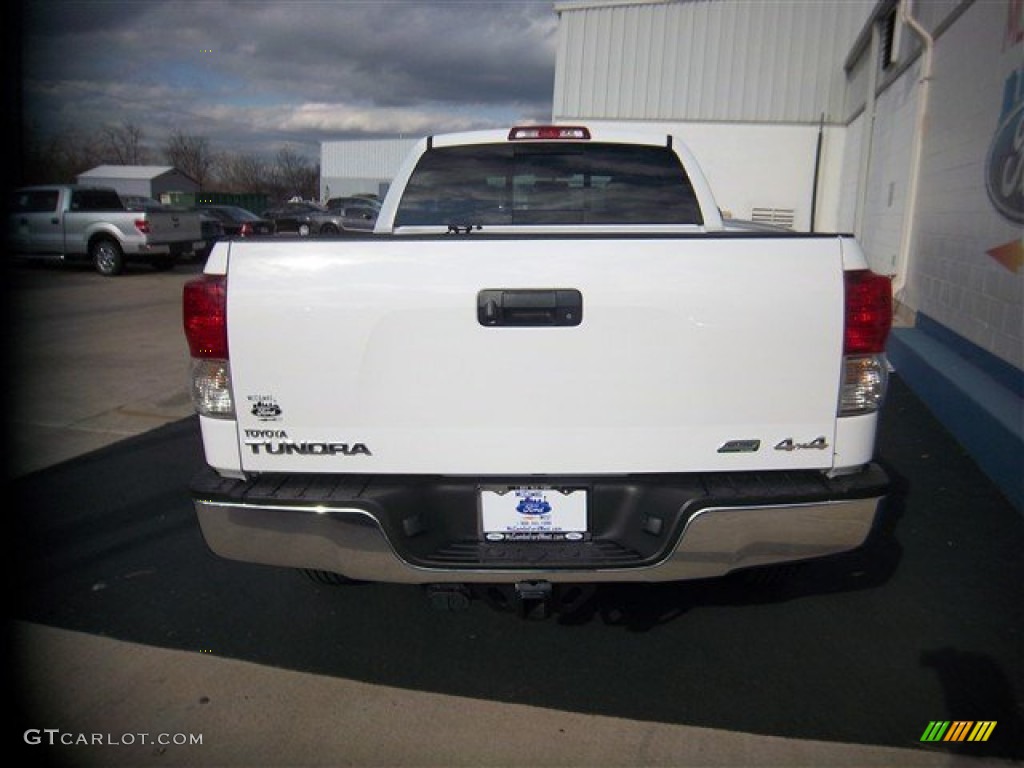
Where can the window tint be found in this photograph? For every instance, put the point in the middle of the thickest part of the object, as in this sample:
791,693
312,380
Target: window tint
95,200
585,183
36,201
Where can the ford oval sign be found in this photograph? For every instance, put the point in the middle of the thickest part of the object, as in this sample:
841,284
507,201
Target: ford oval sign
1004,169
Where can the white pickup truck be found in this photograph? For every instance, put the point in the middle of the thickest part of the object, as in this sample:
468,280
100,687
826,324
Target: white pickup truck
552,364
80,223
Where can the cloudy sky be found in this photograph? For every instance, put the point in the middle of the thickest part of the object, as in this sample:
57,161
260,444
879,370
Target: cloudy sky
255,76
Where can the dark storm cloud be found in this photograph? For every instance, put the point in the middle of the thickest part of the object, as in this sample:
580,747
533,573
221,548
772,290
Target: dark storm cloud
300,71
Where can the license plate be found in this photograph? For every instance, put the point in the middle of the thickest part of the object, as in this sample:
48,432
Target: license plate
533,514
198,245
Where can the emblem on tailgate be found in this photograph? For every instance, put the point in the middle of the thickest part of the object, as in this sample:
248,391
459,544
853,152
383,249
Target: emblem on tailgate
275,442
265,407
817,444
741,446
266,411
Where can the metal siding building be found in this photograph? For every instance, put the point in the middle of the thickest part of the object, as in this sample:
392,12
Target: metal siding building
142,180
704,60
914,139
943,211
361,166
745,84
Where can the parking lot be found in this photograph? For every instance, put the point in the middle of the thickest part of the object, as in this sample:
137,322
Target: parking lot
126,624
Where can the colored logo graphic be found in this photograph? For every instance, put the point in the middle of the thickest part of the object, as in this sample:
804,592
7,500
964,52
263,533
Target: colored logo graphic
1004,169
533,505
959,730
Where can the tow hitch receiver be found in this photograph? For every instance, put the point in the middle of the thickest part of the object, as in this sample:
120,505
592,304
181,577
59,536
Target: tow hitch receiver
533,590
533,599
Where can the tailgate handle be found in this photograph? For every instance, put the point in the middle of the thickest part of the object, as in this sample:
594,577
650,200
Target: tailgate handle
529,308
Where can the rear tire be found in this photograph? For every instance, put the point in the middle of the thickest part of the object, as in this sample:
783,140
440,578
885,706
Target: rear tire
107,257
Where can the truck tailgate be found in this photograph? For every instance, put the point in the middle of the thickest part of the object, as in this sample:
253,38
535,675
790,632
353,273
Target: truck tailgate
173,227
692,354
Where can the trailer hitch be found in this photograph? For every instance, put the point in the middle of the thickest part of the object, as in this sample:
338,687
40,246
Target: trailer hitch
533,598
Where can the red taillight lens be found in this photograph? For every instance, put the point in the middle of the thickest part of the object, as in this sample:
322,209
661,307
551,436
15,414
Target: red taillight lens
204,308
142,225
246,229
868,312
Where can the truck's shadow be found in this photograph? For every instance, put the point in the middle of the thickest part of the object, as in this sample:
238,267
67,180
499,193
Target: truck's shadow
641,607
108,544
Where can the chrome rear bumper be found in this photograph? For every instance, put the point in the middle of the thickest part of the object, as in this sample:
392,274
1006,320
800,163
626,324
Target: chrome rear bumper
371,535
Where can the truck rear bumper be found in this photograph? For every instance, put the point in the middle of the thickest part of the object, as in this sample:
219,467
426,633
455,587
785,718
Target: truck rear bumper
645,528
145,250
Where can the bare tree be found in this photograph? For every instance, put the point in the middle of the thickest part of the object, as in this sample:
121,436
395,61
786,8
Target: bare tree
294,175
191,155
122,144
243,172
52,158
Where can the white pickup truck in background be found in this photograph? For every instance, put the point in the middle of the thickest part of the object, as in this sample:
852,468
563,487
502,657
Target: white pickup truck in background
79,223
553,363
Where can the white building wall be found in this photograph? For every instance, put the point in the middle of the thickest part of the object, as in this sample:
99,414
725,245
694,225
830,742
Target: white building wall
949,274
853,146
889,172
141,180
704,60
358,166
744,84
700,69
952,277
761,166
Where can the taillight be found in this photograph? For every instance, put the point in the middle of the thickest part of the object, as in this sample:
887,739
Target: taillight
868,321
865,379
548,132
246,229
142,225
868,312
204,310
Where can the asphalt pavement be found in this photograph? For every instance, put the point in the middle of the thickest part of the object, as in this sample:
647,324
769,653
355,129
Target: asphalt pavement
129,639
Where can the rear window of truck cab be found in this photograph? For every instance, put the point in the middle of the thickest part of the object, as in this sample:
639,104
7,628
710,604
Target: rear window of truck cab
95,200
548,183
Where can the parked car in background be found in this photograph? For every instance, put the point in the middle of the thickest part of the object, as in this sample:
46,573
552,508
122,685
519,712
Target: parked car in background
212,230
71,222
341,202
356,217
209,225
294,217
239,222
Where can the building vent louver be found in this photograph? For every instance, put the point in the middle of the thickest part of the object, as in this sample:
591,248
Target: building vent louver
778,217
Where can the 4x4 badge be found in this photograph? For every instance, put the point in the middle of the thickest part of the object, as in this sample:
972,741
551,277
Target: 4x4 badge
818,444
